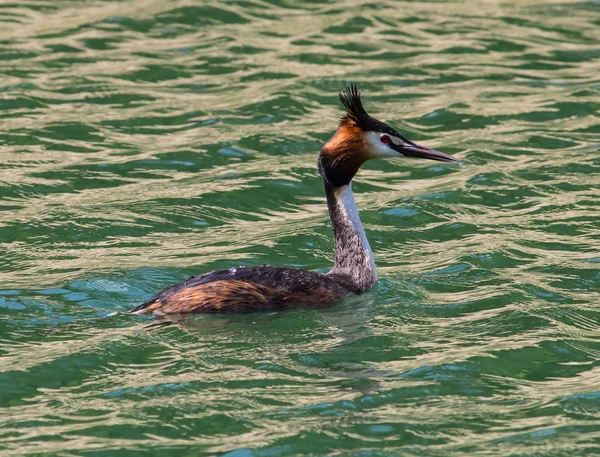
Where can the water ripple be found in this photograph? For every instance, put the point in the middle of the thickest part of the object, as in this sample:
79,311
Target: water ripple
146,141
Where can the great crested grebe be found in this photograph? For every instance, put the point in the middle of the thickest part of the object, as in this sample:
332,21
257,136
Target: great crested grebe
359,138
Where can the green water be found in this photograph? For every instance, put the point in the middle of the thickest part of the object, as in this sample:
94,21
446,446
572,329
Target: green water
145,141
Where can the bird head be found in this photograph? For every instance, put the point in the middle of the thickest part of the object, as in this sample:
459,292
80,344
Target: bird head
361,137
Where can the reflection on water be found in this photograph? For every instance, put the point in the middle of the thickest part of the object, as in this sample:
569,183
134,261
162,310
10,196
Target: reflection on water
145,141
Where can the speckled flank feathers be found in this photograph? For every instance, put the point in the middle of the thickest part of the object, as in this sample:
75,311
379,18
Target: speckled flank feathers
245,290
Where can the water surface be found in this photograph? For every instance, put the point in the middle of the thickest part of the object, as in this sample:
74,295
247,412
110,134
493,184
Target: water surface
145,141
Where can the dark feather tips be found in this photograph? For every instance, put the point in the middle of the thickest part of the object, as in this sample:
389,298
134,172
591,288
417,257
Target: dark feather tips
355,111
350,98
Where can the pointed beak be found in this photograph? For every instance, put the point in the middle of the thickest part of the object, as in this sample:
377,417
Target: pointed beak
421,152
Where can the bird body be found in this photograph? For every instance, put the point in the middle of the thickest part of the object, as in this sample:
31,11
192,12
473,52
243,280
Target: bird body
359,138
248,289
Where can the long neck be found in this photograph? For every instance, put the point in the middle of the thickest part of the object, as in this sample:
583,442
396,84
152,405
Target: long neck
354,260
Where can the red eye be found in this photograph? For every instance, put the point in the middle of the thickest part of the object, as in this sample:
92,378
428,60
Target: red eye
385,139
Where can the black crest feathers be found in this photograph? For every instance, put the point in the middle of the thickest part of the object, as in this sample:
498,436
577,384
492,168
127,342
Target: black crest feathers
350,98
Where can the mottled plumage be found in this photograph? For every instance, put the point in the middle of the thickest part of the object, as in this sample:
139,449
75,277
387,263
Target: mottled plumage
244,290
